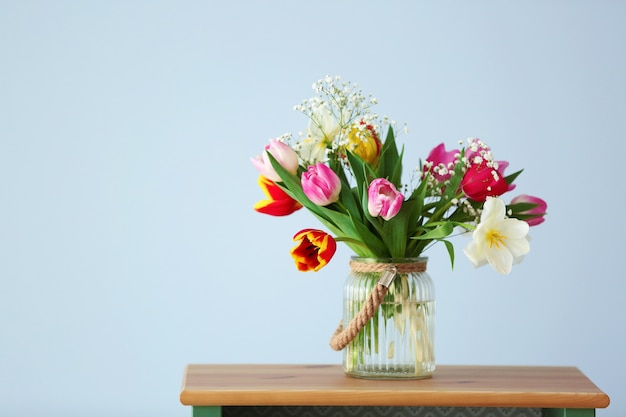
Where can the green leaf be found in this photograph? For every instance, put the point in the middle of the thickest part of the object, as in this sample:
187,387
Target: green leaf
450,248
396,230
521,207
442,229
349,200
363,175
346,227
419,196
342,233
390,161
394,235
510,178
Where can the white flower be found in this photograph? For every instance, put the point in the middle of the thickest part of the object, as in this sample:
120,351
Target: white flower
323,125
312,150
498,240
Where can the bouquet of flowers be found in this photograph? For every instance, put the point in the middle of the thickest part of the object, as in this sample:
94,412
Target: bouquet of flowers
351,179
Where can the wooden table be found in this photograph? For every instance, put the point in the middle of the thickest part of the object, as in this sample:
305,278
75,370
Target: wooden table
557,391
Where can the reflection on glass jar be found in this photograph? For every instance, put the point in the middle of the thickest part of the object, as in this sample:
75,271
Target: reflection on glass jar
398,341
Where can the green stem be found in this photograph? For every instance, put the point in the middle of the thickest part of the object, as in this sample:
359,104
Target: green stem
421,245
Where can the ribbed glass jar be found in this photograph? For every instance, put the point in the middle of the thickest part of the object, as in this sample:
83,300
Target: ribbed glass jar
398,341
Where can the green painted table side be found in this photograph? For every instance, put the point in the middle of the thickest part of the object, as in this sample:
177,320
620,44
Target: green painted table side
557,391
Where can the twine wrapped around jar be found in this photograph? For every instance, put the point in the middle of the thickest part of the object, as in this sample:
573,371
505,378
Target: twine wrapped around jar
343,336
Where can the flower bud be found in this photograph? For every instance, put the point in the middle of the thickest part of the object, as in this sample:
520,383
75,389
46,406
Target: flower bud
364,142
383,199
283,153
481,181
321,185
314,250
533,216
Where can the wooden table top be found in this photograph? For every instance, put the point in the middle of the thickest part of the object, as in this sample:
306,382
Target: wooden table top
451,386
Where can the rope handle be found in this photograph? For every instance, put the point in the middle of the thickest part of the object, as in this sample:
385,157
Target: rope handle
342,337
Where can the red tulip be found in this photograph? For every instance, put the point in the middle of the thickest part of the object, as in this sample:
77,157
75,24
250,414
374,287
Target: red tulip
278,202
314,250
482,180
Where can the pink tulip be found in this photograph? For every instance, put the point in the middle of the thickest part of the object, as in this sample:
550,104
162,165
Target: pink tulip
321,185
383,199
284,154
536,213
441,163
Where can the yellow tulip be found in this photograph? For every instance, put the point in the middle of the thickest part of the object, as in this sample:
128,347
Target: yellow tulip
364,142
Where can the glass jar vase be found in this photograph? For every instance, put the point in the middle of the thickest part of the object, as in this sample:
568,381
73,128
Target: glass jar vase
398,340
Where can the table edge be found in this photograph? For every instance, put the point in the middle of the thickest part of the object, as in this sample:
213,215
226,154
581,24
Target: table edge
428,398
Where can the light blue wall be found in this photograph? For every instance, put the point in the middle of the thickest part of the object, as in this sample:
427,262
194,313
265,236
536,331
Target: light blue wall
128,243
